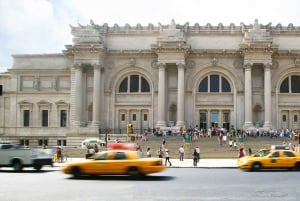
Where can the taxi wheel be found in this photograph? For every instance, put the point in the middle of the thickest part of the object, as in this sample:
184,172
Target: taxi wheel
76,172
256,166
297,166
133,172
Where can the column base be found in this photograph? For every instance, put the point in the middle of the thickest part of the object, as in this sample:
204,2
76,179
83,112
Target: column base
161,124
95,124
267,125
248,126
180,124
77,123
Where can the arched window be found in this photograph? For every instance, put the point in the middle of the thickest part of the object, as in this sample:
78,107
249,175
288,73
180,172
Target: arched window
136,83
284,87
214,83
291,84
203,86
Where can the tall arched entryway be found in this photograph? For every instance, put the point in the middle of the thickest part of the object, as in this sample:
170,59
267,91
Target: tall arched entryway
172,115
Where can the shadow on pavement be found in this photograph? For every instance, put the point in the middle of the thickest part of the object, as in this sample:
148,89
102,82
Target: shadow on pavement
125,178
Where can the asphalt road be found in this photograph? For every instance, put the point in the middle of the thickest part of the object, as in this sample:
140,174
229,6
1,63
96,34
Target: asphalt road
174,184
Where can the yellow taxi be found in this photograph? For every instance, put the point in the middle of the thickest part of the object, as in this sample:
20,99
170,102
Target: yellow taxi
115,162
270,159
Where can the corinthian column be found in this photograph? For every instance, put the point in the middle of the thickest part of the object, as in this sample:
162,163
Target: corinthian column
161,110
180,96
248,97
78,95
267,83
96,96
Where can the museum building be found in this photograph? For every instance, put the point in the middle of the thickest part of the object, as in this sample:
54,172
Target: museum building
236,77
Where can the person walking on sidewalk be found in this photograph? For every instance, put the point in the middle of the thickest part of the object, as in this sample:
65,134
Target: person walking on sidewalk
167,157
198,154
181,153
195,158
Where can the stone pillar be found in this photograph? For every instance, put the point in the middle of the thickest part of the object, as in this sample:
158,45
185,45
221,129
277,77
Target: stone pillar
267,85
180,96
78,95
140,119
208,119
96,96
248,97
220,120
161,110
290,120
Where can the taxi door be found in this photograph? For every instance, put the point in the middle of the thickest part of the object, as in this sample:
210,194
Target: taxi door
103,164
288,159
274,161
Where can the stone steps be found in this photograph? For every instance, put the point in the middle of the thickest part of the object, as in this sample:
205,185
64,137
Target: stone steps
210,147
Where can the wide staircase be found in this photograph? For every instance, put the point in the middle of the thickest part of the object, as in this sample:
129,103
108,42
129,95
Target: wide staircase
209,146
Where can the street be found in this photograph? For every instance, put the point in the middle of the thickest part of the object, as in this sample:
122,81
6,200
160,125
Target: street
173,184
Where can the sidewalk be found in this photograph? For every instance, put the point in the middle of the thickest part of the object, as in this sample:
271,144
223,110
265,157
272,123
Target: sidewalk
186,163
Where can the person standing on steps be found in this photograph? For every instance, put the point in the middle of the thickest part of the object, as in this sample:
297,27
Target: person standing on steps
148,153
163,146
181,153
195,158
167,157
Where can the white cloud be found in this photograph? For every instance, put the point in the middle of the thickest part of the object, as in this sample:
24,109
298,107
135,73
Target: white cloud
41,26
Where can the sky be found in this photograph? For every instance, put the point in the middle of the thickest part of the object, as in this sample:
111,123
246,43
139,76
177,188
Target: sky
42,26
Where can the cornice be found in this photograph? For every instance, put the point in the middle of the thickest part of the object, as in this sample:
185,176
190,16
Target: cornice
128,29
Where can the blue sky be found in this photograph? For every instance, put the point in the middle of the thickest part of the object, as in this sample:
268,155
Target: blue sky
42,26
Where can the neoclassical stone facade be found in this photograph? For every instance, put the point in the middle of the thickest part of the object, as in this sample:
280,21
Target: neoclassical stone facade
241,77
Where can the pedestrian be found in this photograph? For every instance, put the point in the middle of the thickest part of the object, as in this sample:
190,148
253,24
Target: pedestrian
195,157
148,153
163,144
234,145
160,153
59,154
250,151
198,154
181,153
220,139
167,157
96,148
230,144
241,153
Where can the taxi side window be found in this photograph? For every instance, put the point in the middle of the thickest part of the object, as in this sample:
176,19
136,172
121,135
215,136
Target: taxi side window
120,156
102,157
275,154
288,154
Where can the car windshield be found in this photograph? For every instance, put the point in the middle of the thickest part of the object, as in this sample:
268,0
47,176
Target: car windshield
262,153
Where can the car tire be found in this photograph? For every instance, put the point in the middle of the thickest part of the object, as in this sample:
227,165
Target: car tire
37,167
256,166
134,173
76,172
17,166
297,166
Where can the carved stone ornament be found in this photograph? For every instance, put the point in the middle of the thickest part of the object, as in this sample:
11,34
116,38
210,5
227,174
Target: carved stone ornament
154,64
191,64
238,63
132,62
171,33
297,62
214,61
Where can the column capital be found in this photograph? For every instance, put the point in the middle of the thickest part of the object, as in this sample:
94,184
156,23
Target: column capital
97,66
180,65
248,66
161,65
78,66
267,65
